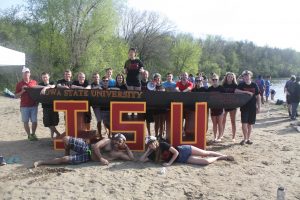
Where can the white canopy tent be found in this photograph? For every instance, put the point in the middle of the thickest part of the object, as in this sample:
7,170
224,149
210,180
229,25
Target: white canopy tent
9,57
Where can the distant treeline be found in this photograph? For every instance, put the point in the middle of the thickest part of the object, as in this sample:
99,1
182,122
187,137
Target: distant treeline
92,35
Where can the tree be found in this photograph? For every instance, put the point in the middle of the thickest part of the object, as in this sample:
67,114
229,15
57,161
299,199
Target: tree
185,54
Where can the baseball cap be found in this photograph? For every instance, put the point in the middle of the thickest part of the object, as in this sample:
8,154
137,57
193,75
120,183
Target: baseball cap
25,69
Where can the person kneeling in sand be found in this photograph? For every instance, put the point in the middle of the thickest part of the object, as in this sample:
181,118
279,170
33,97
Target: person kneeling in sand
157,151
115,147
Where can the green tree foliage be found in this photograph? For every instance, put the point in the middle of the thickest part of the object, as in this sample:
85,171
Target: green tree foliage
91,35
185,54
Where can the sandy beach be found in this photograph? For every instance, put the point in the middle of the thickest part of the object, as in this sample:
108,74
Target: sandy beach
273,160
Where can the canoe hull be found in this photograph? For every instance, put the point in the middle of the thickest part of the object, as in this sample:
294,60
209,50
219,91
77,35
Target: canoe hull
153,99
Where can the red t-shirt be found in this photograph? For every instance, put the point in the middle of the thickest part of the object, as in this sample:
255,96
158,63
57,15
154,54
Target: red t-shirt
183,87
26,100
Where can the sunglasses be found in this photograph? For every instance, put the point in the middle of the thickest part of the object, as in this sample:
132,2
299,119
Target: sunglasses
214,79
198,80
105,80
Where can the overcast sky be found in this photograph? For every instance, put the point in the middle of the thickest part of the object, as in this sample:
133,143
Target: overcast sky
275,23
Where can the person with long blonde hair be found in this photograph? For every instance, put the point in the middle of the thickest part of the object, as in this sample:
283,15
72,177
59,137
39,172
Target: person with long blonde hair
229,85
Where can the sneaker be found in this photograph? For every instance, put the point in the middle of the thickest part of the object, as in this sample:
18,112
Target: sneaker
2,161
242,142
249,142
29,137
34,138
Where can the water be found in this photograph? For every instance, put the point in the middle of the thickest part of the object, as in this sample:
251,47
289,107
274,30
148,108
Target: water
278,85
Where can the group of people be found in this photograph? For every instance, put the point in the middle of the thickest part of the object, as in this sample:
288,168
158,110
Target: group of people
264,86
108,149
135,77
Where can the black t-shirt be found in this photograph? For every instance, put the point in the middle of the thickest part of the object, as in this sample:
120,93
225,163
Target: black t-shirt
165,154
144,85
121,87
133,69
159,87
85,83
63,82
95,85
229,88
294,92
202,89
43,104
216,89
253,88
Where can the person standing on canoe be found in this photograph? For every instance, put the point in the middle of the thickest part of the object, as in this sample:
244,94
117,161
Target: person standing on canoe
133,67
249,110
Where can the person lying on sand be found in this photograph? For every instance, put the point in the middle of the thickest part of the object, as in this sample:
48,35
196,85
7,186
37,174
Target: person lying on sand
115,147
157,151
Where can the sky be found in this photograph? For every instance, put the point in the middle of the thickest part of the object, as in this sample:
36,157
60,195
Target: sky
275,23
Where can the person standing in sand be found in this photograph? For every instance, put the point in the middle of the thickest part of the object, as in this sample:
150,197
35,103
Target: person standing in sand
162,151
249,110
115,147
28,106
50,118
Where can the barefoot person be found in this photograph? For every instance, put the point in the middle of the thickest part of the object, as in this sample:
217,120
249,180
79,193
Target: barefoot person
115,147
229,85
216,113
249,110
28,106
157,151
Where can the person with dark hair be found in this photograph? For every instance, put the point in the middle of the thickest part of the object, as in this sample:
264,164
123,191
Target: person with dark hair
199,87
216,113
133,67
120,82
287,88
261,86
205,82
111,81
162,151
67,81
28,106
192,78
229,85
268,85
294,97
184,85
50,118
115,147
82,83
159,115
96,108
273,92
169,84
250,109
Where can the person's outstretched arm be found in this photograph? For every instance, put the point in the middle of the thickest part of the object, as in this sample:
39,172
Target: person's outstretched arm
96,148
144,157
175,154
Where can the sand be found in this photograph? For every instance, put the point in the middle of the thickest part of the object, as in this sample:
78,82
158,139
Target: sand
273,160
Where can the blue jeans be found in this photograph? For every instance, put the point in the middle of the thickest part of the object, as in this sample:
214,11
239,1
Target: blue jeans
29,113
294,110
